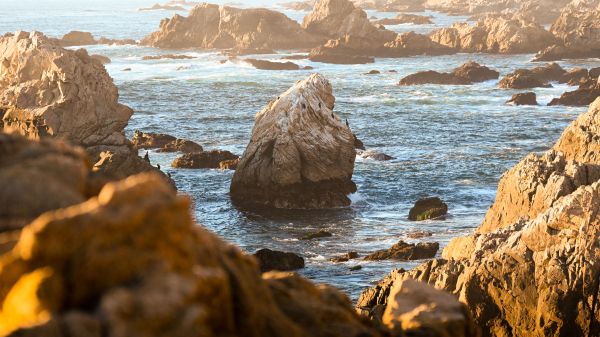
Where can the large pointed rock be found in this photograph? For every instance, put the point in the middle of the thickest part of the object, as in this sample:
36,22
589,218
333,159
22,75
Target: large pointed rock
301,154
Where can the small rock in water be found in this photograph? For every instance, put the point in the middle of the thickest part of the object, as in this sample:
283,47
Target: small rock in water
419,235
203,160
375,155
526,98
428,208
344,258
355,268
317,235
405,251
277,260
126,69
374,72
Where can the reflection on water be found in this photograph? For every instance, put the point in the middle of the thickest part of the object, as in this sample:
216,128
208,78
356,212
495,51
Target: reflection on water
449,141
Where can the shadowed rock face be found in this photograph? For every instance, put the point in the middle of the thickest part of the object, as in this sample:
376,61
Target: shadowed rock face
532,267
213,26
137,265
49,91
301,155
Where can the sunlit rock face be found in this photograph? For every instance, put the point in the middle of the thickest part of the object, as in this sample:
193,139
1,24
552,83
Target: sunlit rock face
495,35
301,154
213,26
131,262
532,267
47,91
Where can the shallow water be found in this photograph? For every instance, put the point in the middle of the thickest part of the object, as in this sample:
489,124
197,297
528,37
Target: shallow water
449,141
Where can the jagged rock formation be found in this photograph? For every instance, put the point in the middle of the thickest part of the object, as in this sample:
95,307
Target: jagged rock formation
37,177
301,155
495,35
469,73
137,265
48,91
533,266
213,26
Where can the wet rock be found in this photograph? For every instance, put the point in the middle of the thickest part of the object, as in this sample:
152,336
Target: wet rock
419,235
417,309
268,65
203,160
358,144
276,260
167,57
229,164
317,235
525,98
533,78
496,35
428,208
31,171
355,268
374,72
375,155
575,76
181,145
212,26
301,155
404,19
580,97
405,251
135,248
469,73
126,69
163,142
560,52
345,258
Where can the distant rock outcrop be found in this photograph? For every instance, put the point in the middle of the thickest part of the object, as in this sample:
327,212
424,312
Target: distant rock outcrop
404,19
301,155
223,27
495,35
469,73
78,38
533,78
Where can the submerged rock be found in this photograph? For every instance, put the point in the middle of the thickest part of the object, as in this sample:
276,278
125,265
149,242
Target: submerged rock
268,65
212,26
203,160
525,98
406,251
301,155
276,260
428,208
137,265
317,235
469,73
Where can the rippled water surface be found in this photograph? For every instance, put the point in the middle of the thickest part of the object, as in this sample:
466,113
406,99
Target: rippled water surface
449,141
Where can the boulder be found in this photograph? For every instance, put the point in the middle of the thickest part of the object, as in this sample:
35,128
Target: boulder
495,35
583,96
276,260
375,155
417,309
222,27
32,171
268,65
345,258
121,162
533,78
575,76
428,208
137,265
405,251
203,160
181,145
163,142
373,72
469,73
77,38
525,98
300,155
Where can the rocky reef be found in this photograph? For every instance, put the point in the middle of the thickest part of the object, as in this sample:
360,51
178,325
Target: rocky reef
300,155
469,73
532,267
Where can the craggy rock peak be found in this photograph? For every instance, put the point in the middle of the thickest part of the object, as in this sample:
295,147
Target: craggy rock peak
301,155
213,26
137,265
469,73
495,35
37,177
532,268
46,90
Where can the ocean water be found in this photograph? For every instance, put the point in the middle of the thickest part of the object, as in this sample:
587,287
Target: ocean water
448,141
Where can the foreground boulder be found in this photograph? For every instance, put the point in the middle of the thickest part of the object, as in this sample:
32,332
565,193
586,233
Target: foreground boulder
406,251
213,26
428,208
537,273
276,260
137,265
469,73
301,155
